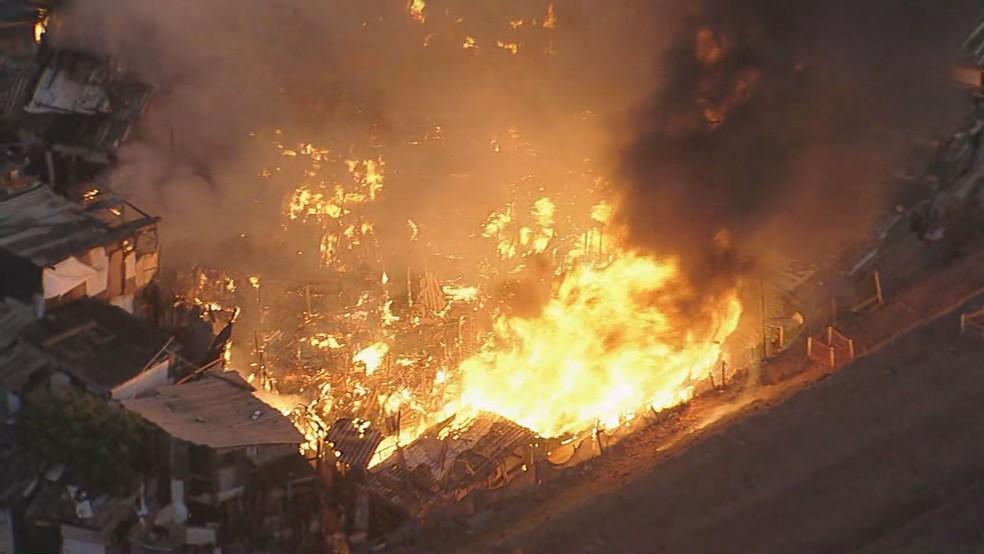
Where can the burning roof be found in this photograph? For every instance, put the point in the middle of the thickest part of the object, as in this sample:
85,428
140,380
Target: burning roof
453,458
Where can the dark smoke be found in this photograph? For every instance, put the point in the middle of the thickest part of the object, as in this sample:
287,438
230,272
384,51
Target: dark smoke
840,90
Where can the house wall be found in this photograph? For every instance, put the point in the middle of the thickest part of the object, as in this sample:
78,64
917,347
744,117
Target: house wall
262,455
114,272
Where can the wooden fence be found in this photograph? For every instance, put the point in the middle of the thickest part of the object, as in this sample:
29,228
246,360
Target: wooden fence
875,299
832,349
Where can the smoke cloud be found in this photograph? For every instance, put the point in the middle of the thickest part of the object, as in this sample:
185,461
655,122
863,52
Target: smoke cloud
366,79
778,125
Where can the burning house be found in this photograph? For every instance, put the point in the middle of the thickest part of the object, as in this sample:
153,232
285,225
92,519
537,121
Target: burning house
456,460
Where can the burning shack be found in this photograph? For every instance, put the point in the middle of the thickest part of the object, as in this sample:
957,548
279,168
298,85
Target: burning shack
472,458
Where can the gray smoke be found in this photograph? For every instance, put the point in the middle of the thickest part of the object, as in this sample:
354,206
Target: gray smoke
348,74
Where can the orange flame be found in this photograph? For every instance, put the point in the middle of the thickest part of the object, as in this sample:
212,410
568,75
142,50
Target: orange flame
550,20
417,8
607,344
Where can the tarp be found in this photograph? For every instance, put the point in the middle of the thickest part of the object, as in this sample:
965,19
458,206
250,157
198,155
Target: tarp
100,262
70,273
146,268
130,266
143,383
124,302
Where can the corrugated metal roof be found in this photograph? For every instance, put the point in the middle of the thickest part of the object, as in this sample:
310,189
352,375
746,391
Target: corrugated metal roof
18,363
437,463
216,412
355,446
39,225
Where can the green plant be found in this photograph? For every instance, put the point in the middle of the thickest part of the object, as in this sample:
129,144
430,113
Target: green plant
103,446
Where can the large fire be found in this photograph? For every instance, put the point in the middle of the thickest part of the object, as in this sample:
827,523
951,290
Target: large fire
608,343
532,310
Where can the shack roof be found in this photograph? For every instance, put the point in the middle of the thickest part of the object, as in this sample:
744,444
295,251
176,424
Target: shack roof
21,467
97,343
93,101
45,228
19,361
217,411
431,465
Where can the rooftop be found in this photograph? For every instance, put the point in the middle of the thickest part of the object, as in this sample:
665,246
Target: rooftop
18,360
94,100
217,411
99,344
45,228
